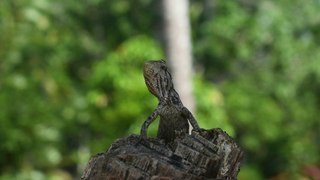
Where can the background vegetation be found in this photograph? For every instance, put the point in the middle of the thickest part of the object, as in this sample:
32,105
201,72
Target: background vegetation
71,80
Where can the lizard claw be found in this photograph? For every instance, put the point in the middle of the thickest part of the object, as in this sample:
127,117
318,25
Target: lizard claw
143,135
141,138
197,130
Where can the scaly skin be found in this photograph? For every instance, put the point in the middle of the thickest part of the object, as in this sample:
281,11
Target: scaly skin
174,116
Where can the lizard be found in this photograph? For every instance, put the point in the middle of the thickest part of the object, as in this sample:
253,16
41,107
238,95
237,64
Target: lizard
174,116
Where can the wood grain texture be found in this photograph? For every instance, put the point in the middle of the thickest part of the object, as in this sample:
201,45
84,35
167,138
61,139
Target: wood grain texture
206,154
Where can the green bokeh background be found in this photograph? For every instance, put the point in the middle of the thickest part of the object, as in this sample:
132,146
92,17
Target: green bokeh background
71,80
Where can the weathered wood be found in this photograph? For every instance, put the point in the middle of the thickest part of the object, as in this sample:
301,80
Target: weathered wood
207,154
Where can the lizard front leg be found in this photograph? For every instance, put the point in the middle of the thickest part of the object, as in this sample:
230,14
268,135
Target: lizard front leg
150,119
186,113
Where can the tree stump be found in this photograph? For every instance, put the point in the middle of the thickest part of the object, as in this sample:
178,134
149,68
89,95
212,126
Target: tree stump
207,154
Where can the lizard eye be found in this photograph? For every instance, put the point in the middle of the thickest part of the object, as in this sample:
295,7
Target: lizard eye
164,67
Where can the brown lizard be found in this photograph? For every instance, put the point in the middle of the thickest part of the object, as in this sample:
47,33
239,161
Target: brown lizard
174,116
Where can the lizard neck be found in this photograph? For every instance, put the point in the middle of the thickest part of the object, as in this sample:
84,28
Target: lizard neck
172,98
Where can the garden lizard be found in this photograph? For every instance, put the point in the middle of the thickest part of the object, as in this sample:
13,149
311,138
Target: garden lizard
174,116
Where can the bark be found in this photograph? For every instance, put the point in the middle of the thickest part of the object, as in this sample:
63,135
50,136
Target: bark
208,154
179,47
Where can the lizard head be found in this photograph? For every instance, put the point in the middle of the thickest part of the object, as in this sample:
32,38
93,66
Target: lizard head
157,78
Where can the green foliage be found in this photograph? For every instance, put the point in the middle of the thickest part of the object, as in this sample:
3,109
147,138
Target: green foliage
71,80
211,110
51,102
265,56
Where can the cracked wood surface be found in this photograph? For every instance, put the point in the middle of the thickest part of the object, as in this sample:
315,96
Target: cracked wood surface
207,154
